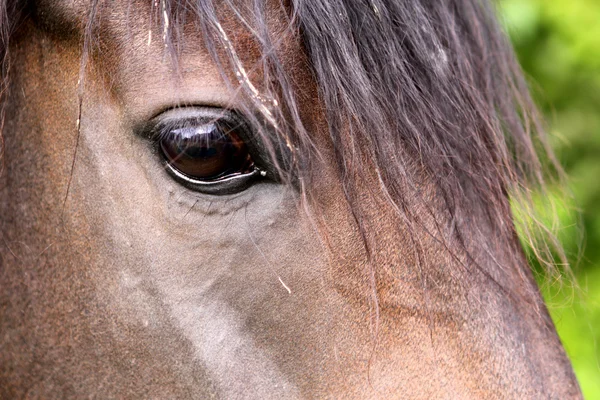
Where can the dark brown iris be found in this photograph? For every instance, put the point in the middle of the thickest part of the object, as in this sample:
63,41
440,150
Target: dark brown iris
206,152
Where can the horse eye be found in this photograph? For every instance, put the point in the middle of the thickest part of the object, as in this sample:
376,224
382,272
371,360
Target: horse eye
207,150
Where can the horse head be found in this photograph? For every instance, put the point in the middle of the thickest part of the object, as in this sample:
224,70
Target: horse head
264,199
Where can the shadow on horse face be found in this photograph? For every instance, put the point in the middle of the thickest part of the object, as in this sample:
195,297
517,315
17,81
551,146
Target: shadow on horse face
124,276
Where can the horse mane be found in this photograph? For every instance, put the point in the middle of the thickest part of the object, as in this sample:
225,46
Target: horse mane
8,16
403,83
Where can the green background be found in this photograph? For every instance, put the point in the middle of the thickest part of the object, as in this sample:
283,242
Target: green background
558,45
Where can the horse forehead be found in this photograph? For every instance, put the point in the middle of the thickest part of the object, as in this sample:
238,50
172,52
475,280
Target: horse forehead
71,16
135,29
62,16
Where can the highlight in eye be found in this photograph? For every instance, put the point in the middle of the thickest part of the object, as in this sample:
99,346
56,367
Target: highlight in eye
206,152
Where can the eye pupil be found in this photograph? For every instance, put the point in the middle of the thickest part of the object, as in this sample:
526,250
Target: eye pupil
206,152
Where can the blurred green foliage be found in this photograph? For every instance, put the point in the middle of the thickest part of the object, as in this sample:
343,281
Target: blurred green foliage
558,45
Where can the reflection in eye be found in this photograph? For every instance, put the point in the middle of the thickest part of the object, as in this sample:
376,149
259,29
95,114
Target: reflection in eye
206,152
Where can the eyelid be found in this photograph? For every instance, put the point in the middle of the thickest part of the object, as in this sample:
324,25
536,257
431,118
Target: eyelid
177,118
229,185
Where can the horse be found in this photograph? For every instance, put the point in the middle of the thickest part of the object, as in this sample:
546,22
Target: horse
255,199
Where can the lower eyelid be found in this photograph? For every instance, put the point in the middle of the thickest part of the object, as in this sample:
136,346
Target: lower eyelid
231,185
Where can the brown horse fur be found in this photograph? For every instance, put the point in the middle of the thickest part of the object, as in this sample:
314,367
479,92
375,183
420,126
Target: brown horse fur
378,260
